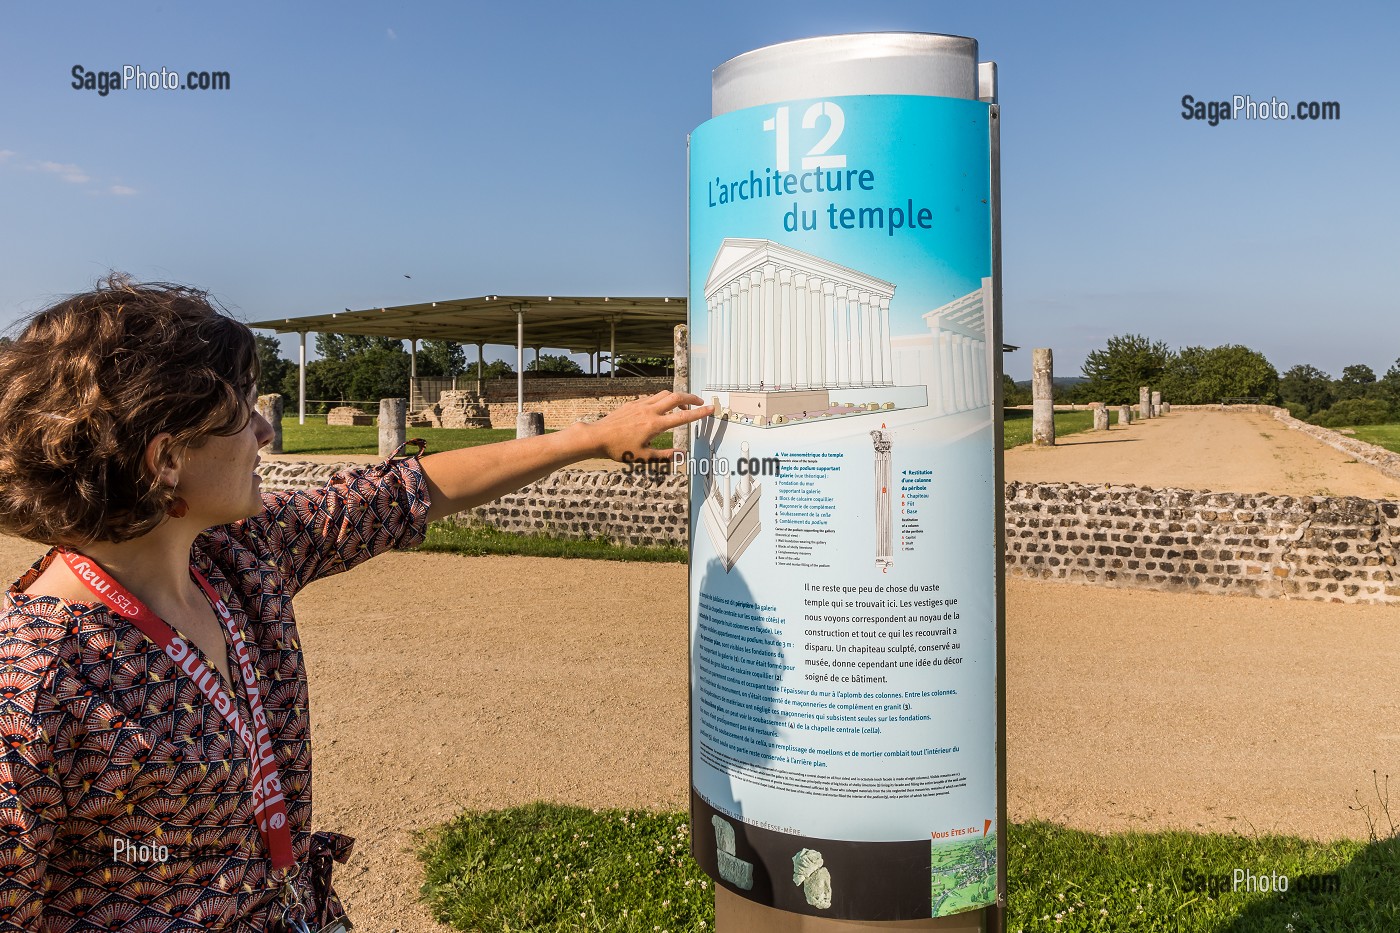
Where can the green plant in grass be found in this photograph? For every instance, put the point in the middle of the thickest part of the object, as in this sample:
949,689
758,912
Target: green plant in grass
317,437
1061,879
1016,425
549,868
1382,435
478,540
1378,815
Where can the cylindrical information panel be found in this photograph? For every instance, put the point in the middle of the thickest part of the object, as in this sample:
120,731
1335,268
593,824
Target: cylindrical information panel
845,498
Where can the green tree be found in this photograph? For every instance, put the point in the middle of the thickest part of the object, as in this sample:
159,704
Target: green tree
1308,386
353,367
1012,394
1358,381
494,370
1074,393
1388,388
325,380
379,372
272,369
551,363
1115,373
1200,376
1352,411
444,358
345,346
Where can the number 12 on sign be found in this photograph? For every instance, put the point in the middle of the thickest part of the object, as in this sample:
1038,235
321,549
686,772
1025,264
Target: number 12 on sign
819,156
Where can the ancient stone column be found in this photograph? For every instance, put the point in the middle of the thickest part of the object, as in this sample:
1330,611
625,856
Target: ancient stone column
270,407
1166,408
1156,404
529,424
1125,414
680,382
1100,416
1042,396
1144,403
393,424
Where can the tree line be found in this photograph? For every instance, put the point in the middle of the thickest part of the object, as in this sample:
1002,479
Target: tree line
362,368
359,368
1209,375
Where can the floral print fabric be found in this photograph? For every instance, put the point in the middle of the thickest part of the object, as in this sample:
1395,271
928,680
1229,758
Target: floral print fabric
125,798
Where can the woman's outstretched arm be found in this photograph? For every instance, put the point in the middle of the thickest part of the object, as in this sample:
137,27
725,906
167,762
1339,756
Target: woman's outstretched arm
461,479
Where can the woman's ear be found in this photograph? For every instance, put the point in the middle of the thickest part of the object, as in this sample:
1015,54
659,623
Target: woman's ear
163,459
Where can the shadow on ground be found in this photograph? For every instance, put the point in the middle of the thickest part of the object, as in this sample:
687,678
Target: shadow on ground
1367,899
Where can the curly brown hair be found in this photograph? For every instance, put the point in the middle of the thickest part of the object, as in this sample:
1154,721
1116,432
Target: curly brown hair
90,382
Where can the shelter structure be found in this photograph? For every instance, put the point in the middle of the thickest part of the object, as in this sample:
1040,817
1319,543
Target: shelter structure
580,324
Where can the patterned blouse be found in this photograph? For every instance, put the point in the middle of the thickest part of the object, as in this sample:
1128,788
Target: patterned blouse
125,798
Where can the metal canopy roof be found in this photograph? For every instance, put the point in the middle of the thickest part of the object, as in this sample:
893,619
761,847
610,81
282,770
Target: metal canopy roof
578,324
644,326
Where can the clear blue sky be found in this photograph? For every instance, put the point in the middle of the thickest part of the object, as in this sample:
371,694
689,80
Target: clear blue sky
540,148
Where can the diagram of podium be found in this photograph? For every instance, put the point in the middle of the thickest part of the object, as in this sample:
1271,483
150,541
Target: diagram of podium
795,338
732,515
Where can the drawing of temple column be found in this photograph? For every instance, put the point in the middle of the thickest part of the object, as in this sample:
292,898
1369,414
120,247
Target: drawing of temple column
884,524
963,353
785,321
802,376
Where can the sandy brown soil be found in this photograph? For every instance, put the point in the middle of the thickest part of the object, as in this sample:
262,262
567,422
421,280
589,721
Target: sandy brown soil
441,682
1216,450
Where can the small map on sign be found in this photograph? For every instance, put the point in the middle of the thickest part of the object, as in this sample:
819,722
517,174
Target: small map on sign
964,874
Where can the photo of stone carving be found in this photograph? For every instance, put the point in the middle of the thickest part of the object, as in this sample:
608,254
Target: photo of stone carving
812,877
884,526
731,868
788,328
732,514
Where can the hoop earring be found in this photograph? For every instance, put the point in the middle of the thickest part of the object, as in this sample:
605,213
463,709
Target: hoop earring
178,509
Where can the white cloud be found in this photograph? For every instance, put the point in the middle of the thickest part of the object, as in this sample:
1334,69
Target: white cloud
392,34
6,154
121,190
66,171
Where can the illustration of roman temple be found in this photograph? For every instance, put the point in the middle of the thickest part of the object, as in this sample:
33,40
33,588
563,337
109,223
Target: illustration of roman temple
790,331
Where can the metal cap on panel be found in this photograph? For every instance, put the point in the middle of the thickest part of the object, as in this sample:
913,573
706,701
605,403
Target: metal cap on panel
987,82
918,63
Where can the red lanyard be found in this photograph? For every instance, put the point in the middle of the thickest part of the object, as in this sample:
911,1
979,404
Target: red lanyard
269,806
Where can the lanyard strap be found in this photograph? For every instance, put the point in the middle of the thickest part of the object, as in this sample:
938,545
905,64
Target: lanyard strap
269,805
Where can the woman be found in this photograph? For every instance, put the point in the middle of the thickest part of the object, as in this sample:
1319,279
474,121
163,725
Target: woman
155,771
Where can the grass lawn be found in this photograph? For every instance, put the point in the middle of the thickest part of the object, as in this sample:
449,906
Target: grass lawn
1016,429
317,437
1382,435
547,868
445,537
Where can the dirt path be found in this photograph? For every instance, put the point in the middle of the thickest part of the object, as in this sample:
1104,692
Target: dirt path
1221,451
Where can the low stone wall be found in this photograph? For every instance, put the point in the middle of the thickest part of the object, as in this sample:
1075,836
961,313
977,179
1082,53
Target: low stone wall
558,413
298,474
1300,547
1310,547
569,387
621,507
